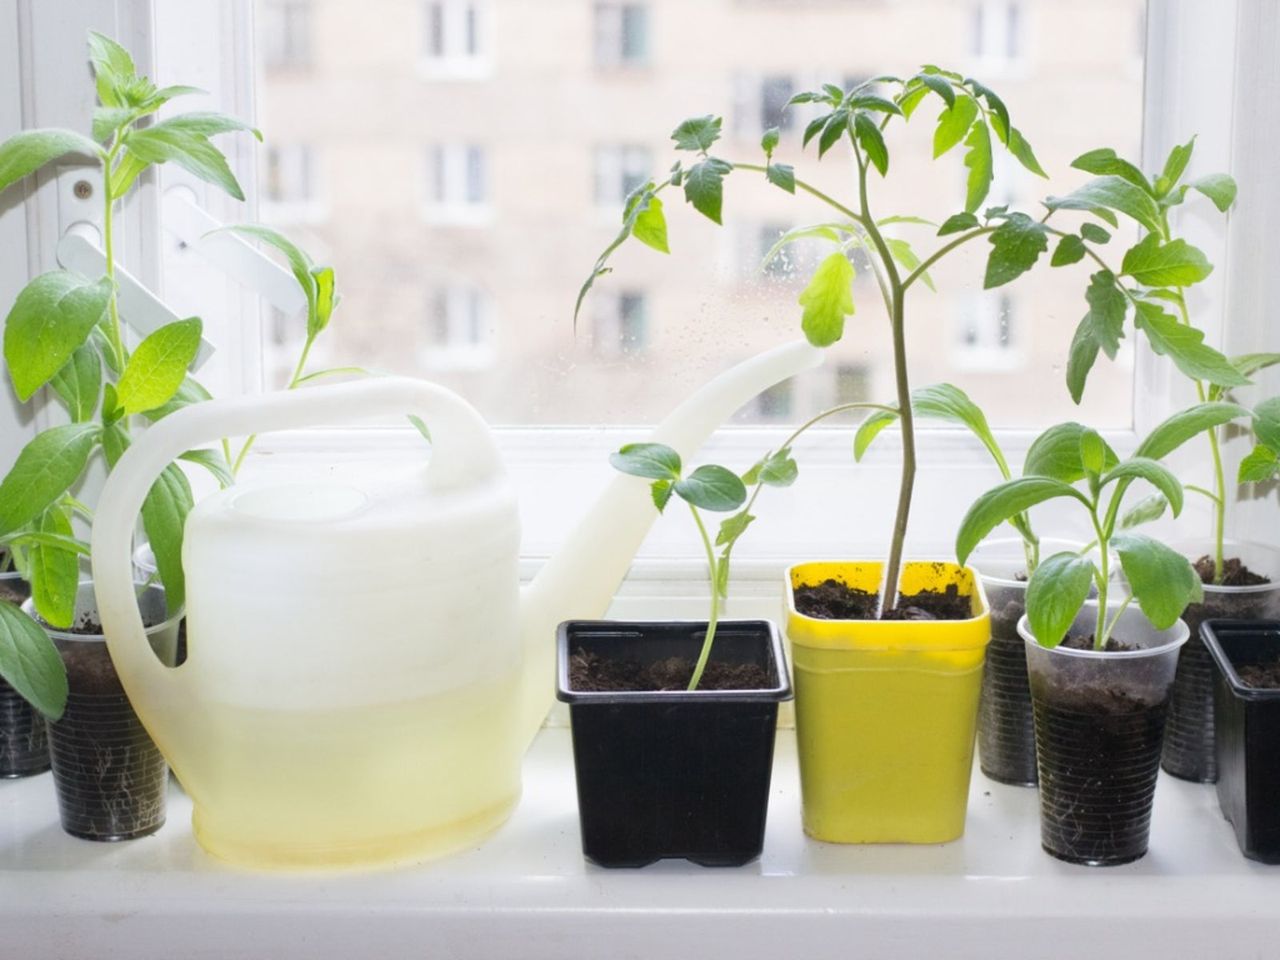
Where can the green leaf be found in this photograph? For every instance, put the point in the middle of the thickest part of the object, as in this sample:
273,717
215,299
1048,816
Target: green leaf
773,470
1218,187
869,101
1176,430
1173,264
203,124
193,152
326,300
732,528
813,128
1056,454
712,487
1259,466
127,170
1093,452
1003,502
1070,249
1081,357
940,401
1105,162
1015,247
697,133
115,441
781,175
1022,151
158,366
654,461
1105,194
1101,329
164,517
1056,592
704,186
51,318
827,300
1247,364
28,151
1161,580
953,123
872,142
420,425
957,223
1175,166
938,85
769,142
112,68
30,663
902,252
660,493
47,466
215,463
190,392
1266,422
824,231
1001,119
1094,233
299,263
55,572
978,159
832,130
650,226
871,427
1146,510
1156,474
1185,346
79,383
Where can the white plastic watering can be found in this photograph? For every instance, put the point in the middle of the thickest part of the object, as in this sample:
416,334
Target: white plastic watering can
364,673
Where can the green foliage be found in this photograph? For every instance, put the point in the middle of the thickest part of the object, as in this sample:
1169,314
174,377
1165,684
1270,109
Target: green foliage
1057,453
697,134
1172,264
54,571
49,321
158,366
164,515
704,186
1056,591
1104,195
827,300
30,662
1016,245
45,469
79,383
1160,579
28,151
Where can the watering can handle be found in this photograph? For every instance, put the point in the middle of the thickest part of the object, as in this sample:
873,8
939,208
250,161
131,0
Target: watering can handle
463,453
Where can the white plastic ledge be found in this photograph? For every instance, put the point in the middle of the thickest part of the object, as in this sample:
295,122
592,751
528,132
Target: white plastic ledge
527,893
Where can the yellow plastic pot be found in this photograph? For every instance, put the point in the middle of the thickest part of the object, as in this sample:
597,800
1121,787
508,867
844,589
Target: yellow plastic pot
886,711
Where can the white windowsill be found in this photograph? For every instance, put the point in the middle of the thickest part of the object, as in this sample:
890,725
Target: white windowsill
527,892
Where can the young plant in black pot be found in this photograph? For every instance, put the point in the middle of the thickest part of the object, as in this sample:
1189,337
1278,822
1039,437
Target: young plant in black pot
1100,671
674,722
1149,281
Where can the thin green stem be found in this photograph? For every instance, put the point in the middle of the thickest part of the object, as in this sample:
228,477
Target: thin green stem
813,191
293,382
114,333
942,252
1111,627
713,570
1102,579
1193,488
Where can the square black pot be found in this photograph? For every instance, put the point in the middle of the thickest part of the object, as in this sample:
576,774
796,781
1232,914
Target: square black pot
1247,734
673,774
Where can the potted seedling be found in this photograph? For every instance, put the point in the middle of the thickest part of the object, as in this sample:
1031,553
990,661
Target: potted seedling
65,332
1246,658
870,637
1149,281
1100,670
674,722
33,685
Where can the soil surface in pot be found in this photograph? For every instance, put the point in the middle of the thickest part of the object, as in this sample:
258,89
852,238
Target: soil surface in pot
1234,573
589,673
1260,676
1082,642
834,600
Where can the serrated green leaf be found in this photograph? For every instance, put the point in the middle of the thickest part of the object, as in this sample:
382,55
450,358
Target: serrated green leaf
1103,195
872,142
1186,347
79,383
957,223
1094,233
1266,422
1156,474
697,134
1070,249
1056,593
731,528
158,366
813,128
46,467
1102,328
54,571
781,175
870,101
1056,454
1015,246
1105,162
164,517
660,493
653,461
953,123
1146,510
978,159
938,85
1218,187
704,186
1001,119
1081,356
712,487
1172,264
910,97
1259,466
827,300
1021,150
51,318
832,130
1161,579
773,470
1000,503
30,663
1250,363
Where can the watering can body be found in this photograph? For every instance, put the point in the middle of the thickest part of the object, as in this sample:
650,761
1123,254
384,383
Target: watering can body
363,675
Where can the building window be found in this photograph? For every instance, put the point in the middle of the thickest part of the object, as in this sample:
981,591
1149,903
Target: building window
620,169
285,34
853,383
455,39
997,31
291,185
775,92
457,183
621,325
760,102
987,334
459,329
621,34
775,403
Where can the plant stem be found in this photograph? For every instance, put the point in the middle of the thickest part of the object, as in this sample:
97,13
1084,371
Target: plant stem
1116,619
293,382
713,570
1103,578
813,191
114,333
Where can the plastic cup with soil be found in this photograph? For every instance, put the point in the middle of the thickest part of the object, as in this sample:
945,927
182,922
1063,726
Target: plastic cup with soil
1006,730
24,748
1246,660
1100,720
1250,591
886,709
664,772
109,775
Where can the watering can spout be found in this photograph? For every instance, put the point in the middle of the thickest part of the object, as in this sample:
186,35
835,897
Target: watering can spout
579,581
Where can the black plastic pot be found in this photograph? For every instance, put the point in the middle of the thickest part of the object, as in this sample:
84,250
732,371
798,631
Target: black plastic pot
24,746
673,774
1247,734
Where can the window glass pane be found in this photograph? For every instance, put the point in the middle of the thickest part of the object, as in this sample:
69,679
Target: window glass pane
476,262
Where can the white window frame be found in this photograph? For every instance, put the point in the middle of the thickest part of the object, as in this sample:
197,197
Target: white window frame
1194,53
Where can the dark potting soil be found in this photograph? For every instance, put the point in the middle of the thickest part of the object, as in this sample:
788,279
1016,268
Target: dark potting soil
1260,676
1234,573
1085,642
834,600
589,672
